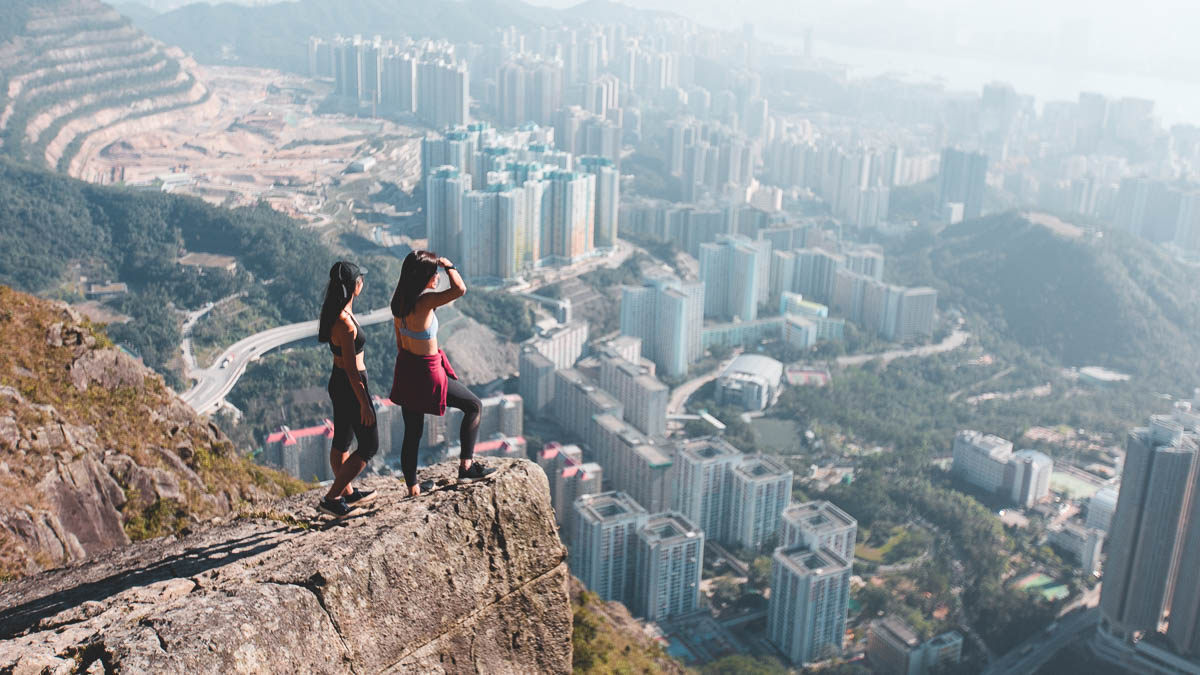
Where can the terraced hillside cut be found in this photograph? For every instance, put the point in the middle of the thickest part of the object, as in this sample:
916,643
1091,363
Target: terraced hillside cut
75,75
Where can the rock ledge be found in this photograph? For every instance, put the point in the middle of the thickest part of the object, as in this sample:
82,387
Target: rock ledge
466,579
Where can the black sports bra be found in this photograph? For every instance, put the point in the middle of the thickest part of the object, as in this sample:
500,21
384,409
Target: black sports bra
359,340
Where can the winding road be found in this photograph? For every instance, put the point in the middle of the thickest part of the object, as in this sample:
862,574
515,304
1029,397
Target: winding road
953,341
214,384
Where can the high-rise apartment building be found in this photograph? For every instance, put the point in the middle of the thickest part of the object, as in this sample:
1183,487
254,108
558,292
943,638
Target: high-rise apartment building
494,224
608,198
963,179
732,269
578,401
530,89
667,314
1150,532
670,556
536,383
568,216
819,524
445,188
636,464
704,479
643,395
603,553
762,488
562,344
810,595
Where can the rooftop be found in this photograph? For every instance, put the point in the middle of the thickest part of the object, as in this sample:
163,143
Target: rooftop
289,436
709,449
804,560
989,444
755,364
760,466
897,629
668,528
655,456
608,505
819,516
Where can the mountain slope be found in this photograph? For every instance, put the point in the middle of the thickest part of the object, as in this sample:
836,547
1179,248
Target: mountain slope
75,72
136,237
95,451
276,36
1086,299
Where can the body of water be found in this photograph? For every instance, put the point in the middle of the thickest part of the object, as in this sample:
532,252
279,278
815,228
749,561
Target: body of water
1175,101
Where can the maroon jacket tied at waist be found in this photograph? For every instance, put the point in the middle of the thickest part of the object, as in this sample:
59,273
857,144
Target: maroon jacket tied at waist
419,382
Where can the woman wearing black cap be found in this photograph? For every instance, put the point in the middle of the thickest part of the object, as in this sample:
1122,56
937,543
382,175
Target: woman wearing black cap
352,410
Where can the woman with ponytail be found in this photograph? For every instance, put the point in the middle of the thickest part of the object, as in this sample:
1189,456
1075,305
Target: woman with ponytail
423,382
352,411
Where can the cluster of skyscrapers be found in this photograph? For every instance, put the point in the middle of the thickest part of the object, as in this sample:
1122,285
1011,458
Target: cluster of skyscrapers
425,77
739,275
502,204
637,510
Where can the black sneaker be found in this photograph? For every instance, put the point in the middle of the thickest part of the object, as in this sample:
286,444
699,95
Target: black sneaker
476,472
360,497
426,487
336,507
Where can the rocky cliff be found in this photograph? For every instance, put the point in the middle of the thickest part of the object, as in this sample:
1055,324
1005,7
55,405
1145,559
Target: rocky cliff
465,579
95,451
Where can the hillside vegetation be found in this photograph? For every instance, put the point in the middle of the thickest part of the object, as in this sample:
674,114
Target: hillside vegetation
71,70
137,236
1082,298
95,451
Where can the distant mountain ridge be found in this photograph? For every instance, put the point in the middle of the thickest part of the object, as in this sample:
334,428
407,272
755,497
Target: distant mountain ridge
73,73
1087,298
276,36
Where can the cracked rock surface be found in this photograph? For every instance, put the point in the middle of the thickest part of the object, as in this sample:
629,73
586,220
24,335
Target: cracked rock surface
465,579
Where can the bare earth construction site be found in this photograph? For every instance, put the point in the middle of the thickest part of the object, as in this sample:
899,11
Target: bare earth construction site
260,138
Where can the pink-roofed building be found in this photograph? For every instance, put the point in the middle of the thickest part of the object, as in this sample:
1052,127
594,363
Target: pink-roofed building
303,453
570,478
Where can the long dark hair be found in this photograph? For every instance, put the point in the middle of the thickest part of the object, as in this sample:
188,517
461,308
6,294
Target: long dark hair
418,268
343,277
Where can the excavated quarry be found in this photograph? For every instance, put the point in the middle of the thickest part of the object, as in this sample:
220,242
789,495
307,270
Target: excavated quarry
77,75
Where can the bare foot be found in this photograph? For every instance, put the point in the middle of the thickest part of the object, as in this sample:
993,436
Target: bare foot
414,491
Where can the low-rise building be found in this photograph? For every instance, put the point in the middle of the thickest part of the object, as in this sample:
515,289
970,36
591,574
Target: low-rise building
301,453
751,381
894,648
1081,542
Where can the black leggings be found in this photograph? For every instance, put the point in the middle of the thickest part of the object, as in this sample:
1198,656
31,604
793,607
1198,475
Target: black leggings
457,396
347,416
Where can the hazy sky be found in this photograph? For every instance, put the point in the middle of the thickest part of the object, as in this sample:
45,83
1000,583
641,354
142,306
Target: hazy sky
1049,48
